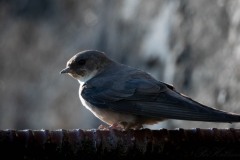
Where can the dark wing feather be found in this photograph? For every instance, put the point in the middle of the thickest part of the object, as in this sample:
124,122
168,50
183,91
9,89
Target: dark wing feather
144,96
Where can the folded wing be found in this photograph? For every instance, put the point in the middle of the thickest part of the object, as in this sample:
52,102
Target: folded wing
144,96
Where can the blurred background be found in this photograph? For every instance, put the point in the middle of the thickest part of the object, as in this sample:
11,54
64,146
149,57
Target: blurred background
192,44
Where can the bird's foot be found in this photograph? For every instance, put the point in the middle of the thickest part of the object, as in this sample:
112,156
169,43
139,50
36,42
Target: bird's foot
116,126
103,127
113,126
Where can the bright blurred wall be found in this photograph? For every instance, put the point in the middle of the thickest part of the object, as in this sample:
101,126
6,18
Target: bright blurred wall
191,44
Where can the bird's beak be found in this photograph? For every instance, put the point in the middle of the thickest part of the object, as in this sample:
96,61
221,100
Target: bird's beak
65,70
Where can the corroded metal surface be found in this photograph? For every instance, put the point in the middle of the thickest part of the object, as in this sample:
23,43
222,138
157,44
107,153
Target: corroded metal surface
114,144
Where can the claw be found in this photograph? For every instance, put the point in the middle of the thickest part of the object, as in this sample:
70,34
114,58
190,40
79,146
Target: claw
116,126
103,127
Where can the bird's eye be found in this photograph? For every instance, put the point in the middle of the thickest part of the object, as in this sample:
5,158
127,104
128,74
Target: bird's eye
81,62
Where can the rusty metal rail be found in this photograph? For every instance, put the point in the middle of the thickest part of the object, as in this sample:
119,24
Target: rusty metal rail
114,144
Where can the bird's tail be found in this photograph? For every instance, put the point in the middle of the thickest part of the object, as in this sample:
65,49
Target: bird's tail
186,108
222,116
215,115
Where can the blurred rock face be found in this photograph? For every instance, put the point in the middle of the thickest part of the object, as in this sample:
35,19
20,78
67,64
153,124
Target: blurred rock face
193,45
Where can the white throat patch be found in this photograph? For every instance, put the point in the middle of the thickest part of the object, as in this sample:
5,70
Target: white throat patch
87,77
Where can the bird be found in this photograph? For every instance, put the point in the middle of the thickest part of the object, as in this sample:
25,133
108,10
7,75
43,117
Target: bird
125,97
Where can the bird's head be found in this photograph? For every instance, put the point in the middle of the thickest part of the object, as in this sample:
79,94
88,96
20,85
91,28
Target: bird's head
85,65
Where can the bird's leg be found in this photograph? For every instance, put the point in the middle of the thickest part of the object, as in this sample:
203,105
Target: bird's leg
116,126
103,127
138,126
128,126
